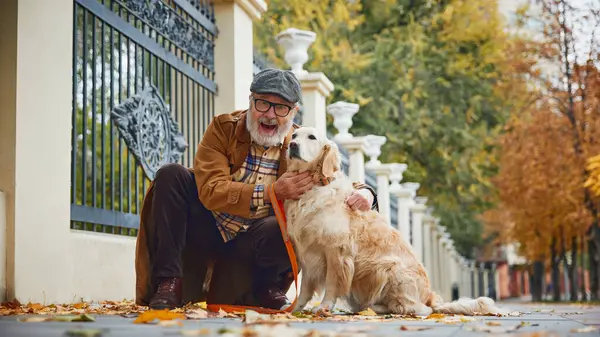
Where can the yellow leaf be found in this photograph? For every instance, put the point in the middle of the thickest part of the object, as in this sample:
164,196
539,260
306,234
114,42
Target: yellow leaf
368,312
161,315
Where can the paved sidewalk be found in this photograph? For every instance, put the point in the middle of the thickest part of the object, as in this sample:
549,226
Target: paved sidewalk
536,320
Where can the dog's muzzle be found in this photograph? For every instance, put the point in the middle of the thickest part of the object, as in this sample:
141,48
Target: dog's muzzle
294,151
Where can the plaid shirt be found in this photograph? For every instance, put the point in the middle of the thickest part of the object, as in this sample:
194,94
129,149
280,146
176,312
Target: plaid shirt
260,168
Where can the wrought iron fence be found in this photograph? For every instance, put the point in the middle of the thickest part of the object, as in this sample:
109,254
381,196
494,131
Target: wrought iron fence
143,94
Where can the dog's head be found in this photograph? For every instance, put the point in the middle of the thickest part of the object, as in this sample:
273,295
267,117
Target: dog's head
310,151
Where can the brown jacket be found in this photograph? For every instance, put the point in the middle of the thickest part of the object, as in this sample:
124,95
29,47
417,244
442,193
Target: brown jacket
221,152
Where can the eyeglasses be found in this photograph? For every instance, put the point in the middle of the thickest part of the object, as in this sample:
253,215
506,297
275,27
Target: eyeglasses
262,105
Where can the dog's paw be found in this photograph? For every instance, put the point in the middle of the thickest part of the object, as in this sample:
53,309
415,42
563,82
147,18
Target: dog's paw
324,307
298,308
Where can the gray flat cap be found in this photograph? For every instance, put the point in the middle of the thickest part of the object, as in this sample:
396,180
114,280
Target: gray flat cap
279,82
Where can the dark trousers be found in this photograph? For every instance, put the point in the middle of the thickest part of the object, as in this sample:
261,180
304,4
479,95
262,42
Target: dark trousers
181,222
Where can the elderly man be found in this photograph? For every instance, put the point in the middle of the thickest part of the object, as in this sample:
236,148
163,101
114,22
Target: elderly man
219,211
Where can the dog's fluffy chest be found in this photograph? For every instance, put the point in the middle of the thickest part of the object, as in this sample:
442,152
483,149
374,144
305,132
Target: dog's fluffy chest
320,214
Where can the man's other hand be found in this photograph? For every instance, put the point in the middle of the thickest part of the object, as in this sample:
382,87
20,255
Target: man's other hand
360,200
292,185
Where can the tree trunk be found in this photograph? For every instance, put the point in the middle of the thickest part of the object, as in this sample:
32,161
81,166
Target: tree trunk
594,261
555,260
537,278
582,274
573,270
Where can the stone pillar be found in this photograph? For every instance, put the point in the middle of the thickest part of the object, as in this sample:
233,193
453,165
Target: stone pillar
418,211
474,280
405,194
36,60
342,113
433,270
234,52
427,242
482,279
316,87
395,187
383,172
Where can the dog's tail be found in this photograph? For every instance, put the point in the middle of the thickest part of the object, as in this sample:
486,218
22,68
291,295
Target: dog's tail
465,306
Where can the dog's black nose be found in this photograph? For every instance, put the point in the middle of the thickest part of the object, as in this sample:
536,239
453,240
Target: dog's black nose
293,146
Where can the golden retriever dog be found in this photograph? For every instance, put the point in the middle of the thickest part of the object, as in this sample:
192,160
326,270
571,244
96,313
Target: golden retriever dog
354,255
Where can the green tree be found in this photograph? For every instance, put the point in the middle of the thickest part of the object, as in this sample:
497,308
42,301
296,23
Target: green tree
426,74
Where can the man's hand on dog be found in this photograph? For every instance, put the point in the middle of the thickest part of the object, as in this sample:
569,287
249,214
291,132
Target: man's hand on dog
292,185
360,201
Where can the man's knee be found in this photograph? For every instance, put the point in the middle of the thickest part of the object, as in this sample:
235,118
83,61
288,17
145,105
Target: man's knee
171,171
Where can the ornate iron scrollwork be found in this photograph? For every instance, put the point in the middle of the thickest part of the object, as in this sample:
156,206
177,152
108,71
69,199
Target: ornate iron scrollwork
162,18
151,134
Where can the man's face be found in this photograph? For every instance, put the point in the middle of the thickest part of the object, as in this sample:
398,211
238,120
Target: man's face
270,118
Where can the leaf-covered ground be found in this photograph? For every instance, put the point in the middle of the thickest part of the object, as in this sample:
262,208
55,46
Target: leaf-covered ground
90,319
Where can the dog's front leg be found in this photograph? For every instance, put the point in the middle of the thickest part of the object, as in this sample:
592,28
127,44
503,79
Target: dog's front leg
307,291
338,279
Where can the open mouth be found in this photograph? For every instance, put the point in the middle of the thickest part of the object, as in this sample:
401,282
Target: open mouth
267,128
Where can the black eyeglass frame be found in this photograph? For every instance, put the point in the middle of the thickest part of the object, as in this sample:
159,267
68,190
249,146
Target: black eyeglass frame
271,104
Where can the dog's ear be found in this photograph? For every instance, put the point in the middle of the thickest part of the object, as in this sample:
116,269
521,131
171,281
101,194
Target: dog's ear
329,161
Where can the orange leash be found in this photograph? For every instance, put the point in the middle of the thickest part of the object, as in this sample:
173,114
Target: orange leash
280,216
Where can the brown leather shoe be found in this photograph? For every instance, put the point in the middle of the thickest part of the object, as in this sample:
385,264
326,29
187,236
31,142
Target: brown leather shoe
168,295
273,298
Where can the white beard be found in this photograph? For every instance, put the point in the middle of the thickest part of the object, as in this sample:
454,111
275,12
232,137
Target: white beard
266,140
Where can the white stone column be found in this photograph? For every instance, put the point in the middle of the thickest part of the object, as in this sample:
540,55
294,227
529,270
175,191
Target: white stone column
433,270
36,39
418,211
405,194
342,113
440,231
382,171
446,270
234,52
427,243
316,87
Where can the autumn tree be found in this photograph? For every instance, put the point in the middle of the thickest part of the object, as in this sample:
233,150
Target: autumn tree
543,152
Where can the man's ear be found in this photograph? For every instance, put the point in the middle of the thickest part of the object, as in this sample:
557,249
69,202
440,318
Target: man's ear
330,159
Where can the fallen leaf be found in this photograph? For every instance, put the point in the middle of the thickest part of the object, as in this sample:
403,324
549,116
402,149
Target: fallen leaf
414,328
196,314
252,317
71,318
34,306
34,319
195,332
435,316
493,323
161,315
368,312
586,329
171,323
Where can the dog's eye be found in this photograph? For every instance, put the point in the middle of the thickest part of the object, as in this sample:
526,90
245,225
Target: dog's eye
294,136
312,137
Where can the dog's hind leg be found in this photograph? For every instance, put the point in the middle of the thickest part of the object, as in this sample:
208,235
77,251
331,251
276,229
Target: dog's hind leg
338,279
403,297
